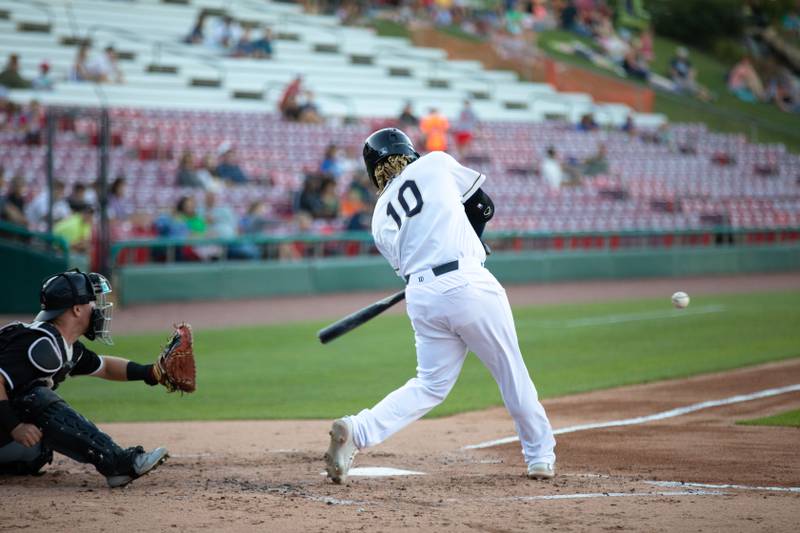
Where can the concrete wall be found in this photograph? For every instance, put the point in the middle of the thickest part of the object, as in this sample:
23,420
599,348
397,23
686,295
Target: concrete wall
239,280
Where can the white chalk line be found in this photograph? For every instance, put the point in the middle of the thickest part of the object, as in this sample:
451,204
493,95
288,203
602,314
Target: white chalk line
650,418
622,318
721,486
589,495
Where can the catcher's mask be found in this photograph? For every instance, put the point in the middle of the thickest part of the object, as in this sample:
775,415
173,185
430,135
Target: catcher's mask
62,291
382,144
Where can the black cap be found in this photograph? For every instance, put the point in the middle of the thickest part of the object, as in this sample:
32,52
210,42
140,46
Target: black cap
61,292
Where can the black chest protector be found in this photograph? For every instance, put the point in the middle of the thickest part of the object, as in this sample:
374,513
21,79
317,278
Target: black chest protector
34,355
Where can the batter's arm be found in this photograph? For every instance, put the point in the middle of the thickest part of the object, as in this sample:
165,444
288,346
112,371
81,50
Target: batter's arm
479,209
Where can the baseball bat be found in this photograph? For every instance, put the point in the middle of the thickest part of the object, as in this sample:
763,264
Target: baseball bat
352,321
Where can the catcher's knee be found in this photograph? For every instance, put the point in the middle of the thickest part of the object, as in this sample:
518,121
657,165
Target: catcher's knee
16,459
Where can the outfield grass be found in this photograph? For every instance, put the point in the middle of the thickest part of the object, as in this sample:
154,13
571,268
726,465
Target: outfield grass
787,419
283,372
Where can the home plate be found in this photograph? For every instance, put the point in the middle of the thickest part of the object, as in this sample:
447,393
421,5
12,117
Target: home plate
380,471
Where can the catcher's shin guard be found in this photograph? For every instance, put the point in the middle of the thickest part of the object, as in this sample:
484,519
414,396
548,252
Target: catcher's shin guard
68,432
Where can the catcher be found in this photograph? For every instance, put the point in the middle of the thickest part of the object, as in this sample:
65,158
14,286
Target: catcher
35,358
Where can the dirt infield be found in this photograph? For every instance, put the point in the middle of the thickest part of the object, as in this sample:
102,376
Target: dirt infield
694,472
266,475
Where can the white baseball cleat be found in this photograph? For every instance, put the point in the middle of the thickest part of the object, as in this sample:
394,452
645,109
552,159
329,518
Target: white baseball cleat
342,450
541,471
143,463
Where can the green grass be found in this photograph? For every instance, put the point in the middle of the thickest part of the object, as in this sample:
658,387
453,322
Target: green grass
283,372
761,122
787,419
390,28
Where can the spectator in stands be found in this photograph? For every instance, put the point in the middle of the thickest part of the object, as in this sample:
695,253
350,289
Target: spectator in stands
684,76
464,130
255,220
196,35
434,127
36,211
186,175
309,199
10,114
225,33
634,64
354,211
105,68
77,196
222,223
119,207
329,200
76,229
784,91
569,18
331,162
646,45
32,122
186,214
407,118
350,161
92,194
13,204
791,21
227,168
80,69
43,81
550,169
10,76
597,163
259,47
587,123
309,112
745,83
363,185
206,175
628,126
288,105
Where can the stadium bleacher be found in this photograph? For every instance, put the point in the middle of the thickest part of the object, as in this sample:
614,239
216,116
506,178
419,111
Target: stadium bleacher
647,186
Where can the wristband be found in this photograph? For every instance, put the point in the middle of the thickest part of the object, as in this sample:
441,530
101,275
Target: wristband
137,372
8,418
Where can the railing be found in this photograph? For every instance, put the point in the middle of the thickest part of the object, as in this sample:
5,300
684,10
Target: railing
34,239
361,243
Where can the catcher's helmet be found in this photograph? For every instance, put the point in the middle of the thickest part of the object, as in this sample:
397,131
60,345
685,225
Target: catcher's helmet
382,144
62,291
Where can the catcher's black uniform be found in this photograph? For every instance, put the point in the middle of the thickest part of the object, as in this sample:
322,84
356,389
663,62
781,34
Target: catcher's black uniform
36,355
35,359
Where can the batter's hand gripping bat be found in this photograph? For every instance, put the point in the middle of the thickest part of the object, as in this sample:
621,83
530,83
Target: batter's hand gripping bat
352,321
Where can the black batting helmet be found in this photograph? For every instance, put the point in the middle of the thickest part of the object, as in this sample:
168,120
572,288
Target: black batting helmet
382,144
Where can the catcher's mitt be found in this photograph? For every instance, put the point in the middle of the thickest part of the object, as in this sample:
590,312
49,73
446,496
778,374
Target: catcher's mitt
175,368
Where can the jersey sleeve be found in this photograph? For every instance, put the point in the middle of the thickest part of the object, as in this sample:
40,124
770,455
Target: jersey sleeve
467,180
88,362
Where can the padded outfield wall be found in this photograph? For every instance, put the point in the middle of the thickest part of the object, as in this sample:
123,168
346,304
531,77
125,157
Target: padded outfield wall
259,279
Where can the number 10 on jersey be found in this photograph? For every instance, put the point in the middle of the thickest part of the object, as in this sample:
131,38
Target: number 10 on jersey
403,199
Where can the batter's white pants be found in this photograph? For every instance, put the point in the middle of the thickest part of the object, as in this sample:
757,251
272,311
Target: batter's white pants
451,314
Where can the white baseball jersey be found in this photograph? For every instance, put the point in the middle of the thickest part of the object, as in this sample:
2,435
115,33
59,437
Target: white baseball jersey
419,222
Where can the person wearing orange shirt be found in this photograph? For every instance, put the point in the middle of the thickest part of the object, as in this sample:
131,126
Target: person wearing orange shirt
434,127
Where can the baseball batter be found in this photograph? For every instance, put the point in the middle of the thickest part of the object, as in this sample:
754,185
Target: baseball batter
427,223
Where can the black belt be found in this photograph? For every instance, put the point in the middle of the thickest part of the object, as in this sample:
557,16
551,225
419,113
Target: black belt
444,268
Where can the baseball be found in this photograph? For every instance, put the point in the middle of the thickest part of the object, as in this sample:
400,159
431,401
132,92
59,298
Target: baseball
680,299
